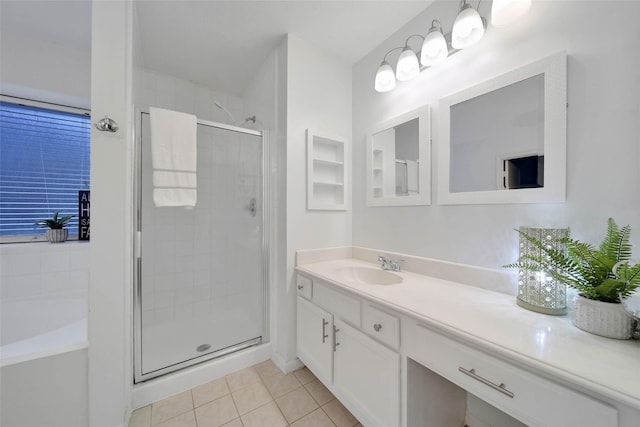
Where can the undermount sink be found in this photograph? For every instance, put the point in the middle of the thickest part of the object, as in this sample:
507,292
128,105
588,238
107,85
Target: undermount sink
369,275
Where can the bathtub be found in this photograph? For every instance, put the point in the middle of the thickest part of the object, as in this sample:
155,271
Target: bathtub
38,327
43,359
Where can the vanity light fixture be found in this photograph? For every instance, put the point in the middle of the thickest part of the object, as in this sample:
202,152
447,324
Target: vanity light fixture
407,67
385,78
468,28
504,12
434,48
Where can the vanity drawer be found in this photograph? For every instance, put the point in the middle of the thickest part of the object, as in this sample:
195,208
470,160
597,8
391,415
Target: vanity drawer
523,395
381,326
341,305
305,286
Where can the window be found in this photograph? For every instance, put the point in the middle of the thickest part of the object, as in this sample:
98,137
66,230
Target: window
44,162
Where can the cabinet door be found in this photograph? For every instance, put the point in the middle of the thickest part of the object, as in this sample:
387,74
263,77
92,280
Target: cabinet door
315,340
367,375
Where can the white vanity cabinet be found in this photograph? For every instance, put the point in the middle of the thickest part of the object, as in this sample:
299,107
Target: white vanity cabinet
315,339
405,355
367,375
529,398
361,371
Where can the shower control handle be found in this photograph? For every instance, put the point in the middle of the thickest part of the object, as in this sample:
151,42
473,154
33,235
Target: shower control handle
253,206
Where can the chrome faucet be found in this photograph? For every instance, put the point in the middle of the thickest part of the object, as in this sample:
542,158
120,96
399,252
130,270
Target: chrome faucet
389,264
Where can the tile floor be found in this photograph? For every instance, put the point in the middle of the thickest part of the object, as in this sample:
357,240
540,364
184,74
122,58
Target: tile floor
259,396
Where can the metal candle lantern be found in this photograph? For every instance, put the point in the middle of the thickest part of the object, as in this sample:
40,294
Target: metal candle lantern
538,291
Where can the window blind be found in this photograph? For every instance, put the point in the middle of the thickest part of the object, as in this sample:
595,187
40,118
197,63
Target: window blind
44,162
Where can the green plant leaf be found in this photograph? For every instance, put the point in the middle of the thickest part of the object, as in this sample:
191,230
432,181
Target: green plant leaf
602,273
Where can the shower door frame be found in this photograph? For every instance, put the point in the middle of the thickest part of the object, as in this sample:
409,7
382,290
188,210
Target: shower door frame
265,161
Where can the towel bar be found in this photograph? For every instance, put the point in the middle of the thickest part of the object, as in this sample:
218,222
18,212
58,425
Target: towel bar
107,125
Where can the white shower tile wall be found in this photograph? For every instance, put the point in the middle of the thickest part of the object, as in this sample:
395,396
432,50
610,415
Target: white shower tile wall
43,269
184,274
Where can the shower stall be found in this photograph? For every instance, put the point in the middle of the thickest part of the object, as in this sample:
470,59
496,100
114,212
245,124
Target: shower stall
201,274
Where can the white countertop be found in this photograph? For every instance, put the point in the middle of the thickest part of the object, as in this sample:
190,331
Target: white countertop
550,345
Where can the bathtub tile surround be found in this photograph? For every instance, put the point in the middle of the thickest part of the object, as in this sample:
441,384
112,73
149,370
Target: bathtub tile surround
37,269
43,331
260,395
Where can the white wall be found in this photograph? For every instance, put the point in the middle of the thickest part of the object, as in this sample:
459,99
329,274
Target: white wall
36,68
110,277
319,98
600,39
155,89
266,97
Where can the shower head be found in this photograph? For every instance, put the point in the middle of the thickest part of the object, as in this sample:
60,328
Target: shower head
251,119
220,106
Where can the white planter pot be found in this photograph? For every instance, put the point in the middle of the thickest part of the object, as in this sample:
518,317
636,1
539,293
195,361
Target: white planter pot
602,318
57,235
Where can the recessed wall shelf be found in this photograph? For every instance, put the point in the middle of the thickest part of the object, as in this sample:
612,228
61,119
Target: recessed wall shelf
326,172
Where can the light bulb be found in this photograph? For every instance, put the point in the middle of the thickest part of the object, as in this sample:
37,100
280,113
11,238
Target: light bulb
468,28
385,78
434,48
408,66
504,12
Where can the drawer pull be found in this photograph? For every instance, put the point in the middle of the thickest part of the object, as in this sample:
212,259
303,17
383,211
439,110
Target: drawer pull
472,373
324,331
300,287
377,327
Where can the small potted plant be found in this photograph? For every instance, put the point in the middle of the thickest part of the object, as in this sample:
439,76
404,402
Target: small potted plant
603,277
57,232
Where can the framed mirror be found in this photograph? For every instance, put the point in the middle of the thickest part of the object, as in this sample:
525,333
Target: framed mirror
504,140
399,161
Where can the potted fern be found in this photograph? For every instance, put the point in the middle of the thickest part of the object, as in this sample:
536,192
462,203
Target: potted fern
57,232
603,277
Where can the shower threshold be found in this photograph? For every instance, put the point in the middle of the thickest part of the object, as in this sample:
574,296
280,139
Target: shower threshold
198,359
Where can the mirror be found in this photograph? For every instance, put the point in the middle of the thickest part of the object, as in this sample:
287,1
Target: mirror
398,161
504,140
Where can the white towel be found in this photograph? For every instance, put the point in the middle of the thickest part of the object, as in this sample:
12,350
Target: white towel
174,158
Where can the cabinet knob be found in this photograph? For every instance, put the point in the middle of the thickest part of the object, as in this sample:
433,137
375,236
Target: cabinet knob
300,287
377,327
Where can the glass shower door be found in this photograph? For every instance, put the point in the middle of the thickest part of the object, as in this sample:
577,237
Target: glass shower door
201,290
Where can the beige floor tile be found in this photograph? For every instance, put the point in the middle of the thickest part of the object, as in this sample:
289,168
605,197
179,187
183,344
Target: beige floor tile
304,375
188,419
281,384
319,392
242,378
265,416
296,404
317,418
171,407
209,392
340,416
267,368
249,398
141,417
234,423
216,413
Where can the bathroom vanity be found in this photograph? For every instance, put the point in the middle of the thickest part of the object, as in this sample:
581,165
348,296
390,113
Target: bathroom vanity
413,349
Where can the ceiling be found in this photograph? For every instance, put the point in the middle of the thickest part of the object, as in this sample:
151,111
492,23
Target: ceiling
221,43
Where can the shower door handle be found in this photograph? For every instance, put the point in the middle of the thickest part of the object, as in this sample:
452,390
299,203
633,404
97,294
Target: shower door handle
253,206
